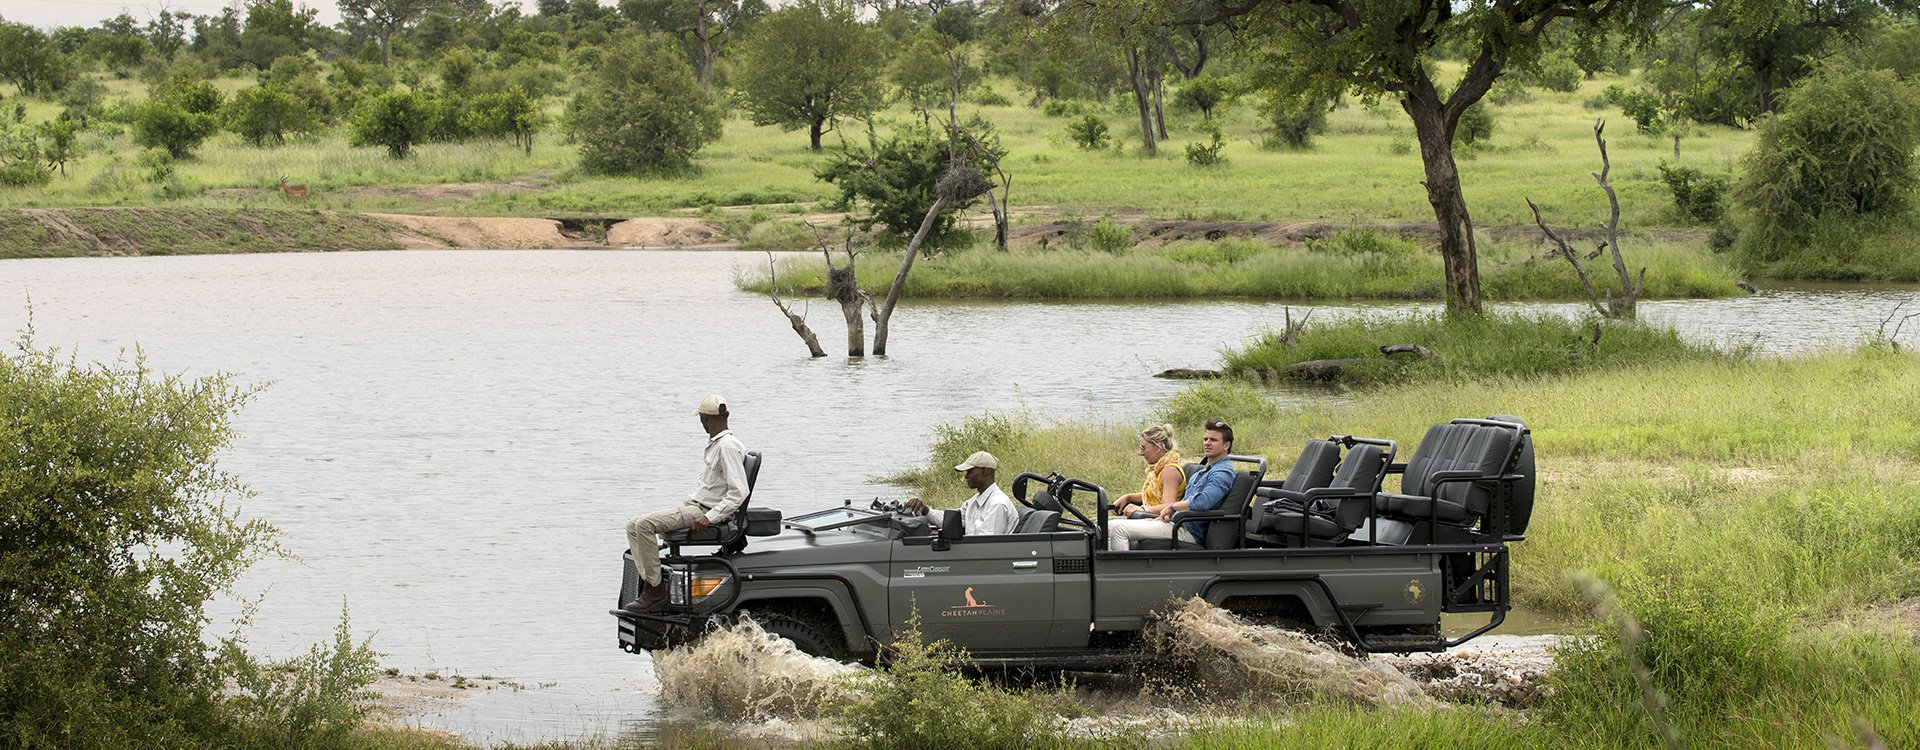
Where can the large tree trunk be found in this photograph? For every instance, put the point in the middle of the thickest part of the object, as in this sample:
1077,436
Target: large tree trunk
1137,76
900,279
844,287
1457,253
1159,94
817,130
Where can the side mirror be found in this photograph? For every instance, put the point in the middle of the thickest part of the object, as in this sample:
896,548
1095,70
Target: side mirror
952,527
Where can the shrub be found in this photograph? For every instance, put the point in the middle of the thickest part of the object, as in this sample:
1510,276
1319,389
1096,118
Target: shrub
1208,155
1475,126
1109,237
157,165
265,113
165,123
116,528
1292,122
1509,91
1701,196
1063,108
395,120
643,112
21,162
1558,72
922,700
895,178
510,114
1202,94
1841,146
1089,132
1643,106
985,96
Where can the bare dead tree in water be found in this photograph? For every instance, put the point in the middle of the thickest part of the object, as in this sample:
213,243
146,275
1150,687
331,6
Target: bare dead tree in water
799,322
843,286
1623,307
961,184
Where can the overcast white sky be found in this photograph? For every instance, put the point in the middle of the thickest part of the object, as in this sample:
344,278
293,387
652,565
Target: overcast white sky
49,13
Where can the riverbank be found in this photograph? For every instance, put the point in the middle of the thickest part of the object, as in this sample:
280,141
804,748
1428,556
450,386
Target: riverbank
1755,517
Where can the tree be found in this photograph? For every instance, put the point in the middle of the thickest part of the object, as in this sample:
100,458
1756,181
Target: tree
510,113
396,120
642,112
82,99
704,27
382,19
29,60
266,113
181,116
275,28
1335,46
810,64
1841,147
894,179
1203,93
61,138
22,164
116,529
167,32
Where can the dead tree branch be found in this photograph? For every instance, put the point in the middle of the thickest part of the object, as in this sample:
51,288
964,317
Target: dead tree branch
1414,349
1562,249
1629,287
799,322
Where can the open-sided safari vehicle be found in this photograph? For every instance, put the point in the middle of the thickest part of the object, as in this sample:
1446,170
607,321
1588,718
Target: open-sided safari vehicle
1324,547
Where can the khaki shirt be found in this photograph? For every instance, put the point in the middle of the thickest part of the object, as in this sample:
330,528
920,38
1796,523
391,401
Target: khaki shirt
723,478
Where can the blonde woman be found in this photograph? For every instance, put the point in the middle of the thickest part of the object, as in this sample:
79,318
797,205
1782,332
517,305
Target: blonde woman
1165,480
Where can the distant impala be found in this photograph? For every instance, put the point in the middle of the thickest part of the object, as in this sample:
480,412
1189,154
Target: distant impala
294,191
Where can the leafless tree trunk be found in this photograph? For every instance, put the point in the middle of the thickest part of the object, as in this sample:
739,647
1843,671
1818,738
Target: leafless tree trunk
900,279
1623,307
844,287
799,323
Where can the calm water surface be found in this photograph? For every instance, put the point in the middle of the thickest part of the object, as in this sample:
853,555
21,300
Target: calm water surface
451,441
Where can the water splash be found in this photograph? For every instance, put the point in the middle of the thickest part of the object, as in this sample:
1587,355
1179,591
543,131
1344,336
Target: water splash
742,672
1221,654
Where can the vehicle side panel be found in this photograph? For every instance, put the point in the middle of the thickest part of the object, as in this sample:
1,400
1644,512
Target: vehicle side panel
1400,588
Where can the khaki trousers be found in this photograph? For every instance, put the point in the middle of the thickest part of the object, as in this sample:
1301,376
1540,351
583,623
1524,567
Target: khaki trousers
1121,533
643,536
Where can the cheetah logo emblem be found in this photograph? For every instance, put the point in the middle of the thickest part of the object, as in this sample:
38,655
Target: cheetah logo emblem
971,603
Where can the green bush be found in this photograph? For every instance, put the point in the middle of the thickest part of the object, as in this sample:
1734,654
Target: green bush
1089,132
986,96
643,111
1475,126
922,700
1063,108
396,120
1643,107
1203,95
264,114
311,701
1109,237
1558,72
1841,148
511,114
22,163
116,528
1701,196
167,124
894,179
1291,122
1208,154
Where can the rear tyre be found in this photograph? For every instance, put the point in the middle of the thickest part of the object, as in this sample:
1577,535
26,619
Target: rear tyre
805,634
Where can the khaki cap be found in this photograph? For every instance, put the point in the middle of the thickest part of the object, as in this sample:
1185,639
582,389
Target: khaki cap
979,459
713,405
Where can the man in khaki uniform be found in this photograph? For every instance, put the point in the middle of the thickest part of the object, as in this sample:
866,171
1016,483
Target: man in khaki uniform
723,486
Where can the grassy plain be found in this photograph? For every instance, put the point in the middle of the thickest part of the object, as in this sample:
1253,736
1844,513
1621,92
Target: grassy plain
1751,514
1362,171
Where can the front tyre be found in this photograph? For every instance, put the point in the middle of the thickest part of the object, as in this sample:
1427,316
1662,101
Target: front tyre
807,636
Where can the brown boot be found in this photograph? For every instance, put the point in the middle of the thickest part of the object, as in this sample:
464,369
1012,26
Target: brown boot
650,599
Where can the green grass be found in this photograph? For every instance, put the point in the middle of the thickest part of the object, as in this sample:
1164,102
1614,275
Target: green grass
1331,269
1355,174
1344,728
189,231
1498,345
1747,512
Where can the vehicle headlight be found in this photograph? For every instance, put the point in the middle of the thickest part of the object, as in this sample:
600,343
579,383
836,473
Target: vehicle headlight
688,587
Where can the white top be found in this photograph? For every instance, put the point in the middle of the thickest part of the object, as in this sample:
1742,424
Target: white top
723,479
990,512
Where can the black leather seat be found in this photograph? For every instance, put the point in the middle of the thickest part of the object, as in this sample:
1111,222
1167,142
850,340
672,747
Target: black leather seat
1327,516
1226,525
1460,472
730,534
1312,470
1037,521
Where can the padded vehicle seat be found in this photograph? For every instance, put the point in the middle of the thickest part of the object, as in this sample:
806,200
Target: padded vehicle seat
1037,521
1314,469
1329,516
1448,486
734,528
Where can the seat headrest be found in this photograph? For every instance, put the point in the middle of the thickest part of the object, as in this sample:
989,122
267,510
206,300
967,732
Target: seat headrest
1044,500
1037,522
1363,468
1314,468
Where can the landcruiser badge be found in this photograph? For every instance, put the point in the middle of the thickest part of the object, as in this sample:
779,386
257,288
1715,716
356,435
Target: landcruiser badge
973,607
1415,591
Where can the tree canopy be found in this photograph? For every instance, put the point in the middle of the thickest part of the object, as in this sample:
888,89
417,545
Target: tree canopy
809,65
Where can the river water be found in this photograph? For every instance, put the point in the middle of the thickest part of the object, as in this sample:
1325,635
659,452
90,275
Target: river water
450,442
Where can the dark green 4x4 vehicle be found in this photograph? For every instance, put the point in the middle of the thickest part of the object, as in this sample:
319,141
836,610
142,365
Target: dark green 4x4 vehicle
1325,547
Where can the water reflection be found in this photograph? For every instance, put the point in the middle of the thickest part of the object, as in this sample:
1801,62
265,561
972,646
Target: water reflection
452,440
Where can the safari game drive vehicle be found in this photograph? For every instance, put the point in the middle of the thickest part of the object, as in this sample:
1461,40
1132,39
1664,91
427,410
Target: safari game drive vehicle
1325,548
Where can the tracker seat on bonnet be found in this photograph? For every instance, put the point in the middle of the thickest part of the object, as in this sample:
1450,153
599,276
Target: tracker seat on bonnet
731,534
1226,525
1469,480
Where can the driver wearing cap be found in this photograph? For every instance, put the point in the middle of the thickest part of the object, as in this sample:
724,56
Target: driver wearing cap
989,511
723,487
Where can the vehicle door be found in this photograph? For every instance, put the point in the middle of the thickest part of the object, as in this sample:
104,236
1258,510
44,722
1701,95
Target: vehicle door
983,593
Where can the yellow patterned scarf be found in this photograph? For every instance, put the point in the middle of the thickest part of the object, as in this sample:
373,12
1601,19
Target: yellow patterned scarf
1150,492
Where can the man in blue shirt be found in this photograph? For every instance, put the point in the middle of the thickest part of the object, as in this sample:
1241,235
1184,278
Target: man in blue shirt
1206,490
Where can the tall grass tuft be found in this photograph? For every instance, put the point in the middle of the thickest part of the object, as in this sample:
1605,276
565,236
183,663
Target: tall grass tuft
1489,346
922,700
